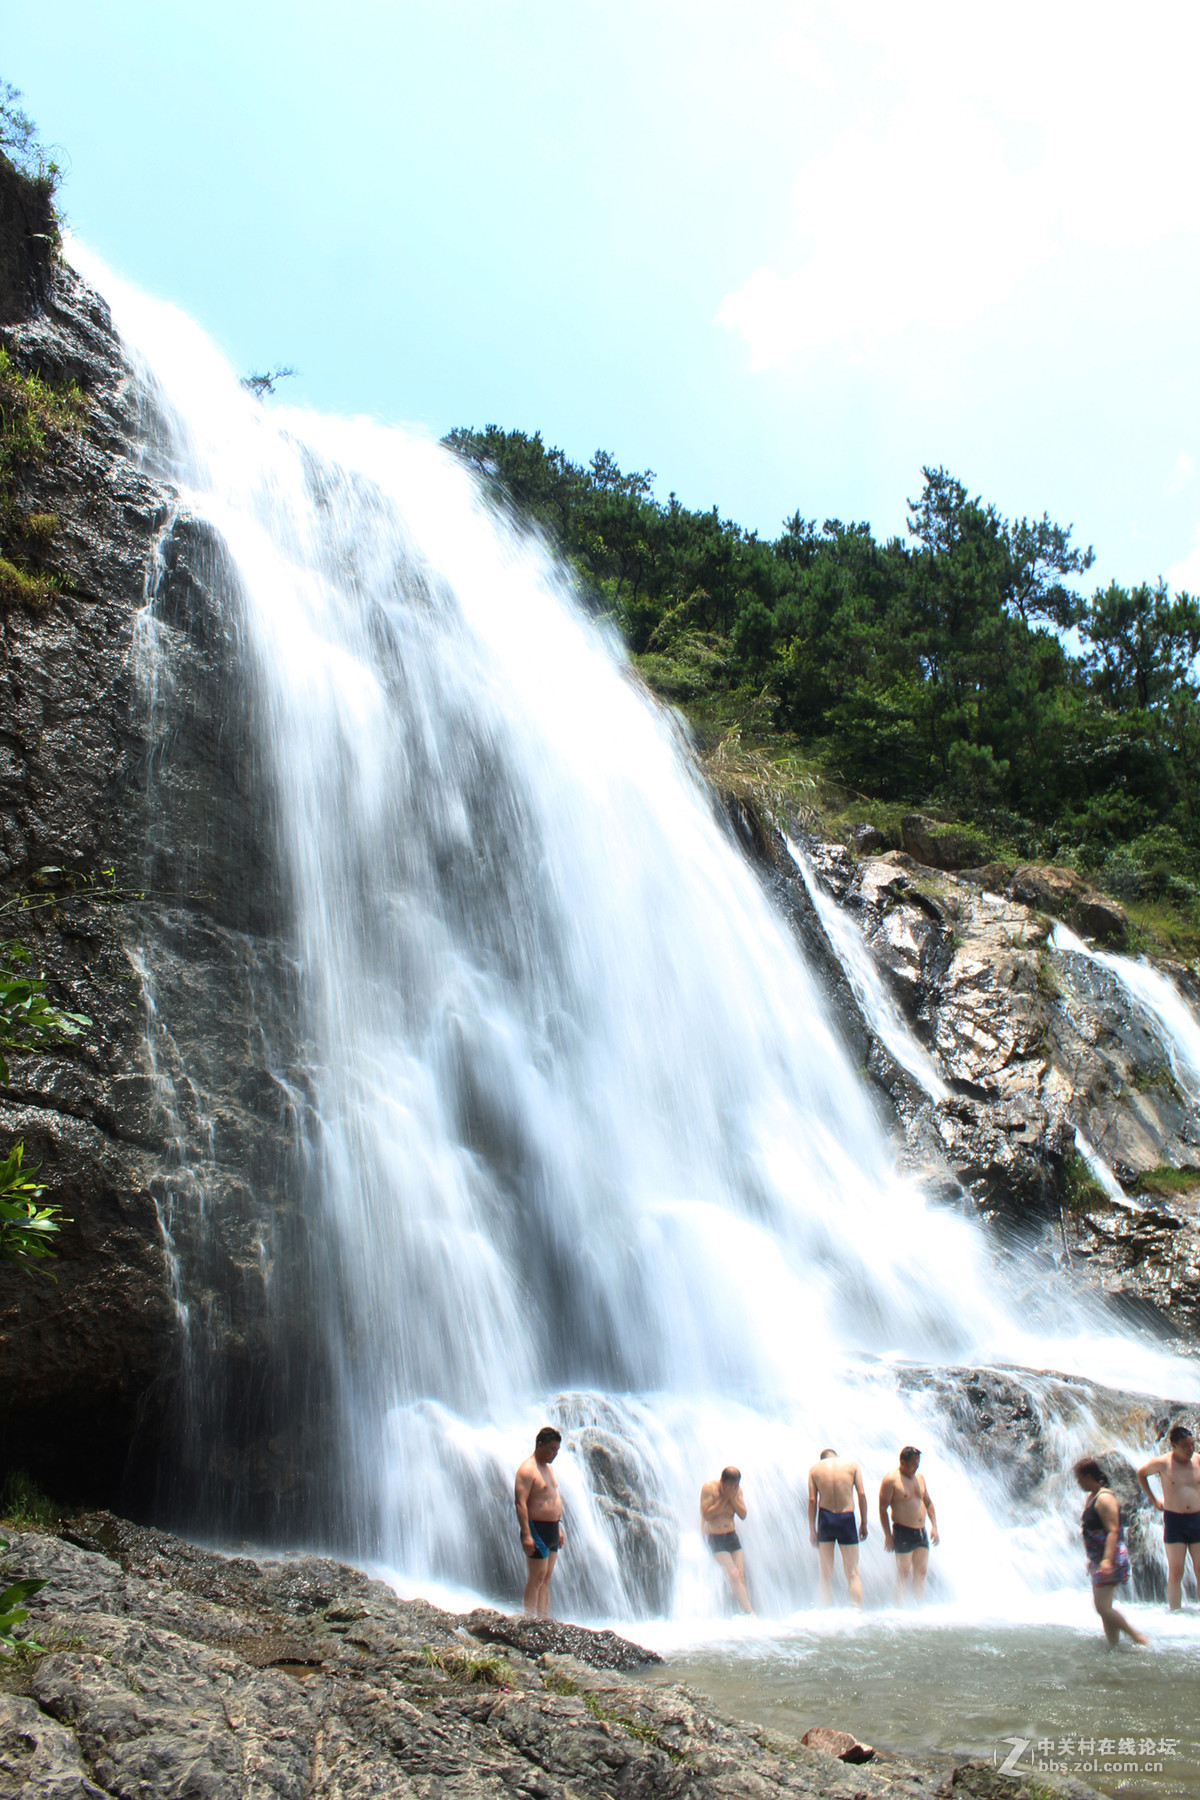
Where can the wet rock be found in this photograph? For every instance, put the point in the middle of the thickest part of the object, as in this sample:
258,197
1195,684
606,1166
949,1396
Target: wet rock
997,1416
644,1537
837,1743
600,1649
979,1780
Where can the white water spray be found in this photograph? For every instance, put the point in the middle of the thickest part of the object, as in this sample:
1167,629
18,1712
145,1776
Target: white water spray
588,1143
879,1007
1173,1019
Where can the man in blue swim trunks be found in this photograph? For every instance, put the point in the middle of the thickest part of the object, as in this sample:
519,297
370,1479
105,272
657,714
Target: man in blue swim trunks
1179,1472
833,1481
539,1514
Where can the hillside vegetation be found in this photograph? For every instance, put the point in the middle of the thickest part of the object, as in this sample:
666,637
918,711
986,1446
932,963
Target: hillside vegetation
960,671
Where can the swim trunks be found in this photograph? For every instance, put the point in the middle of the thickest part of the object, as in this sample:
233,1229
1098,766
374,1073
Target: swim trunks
835,1527
1181,1528
719,1541
545,1537
907,1538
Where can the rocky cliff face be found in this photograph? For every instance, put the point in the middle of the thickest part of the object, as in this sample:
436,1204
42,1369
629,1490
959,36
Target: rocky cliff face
122,750
1035,1044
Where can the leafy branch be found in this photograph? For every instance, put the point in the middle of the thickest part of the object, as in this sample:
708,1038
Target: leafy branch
28,1023
14,1612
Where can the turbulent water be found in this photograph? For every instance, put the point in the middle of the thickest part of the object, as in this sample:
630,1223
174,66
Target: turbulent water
584,1144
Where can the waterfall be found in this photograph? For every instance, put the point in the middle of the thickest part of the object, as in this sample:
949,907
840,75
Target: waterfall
578,1138
1175,1024
867,983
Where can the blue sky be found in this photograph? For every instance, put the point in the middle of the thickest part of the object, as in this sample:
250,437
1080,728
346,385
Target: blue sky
782,254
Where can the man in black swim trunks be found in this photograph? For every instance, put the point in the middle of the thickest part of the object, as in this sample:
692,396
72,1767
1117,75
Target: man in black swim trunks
720,1504
1179,1472
539,1516
905,1492
833,1482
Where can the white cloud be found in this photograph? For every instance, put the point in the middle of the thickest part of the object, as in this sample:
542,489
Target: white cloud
974,146
1185,574
1181,474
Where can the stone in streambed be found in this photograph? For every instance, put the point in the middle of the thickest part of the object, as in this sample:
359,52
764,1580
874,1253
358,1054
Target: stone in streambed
841,1744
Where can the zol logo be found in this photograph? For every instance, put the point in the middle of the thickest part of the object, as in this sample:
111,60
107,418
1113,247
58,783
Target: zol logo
1019,1747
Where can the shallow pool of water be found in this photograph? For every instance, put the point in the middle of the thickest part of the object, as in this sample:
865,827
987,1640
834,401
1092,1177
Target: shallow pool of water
933,1682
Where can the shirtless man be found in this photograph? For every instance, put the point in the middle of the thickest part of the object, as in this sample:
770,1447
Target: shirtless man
833,1482
1179,1472
905,1492
539,1514
720,1503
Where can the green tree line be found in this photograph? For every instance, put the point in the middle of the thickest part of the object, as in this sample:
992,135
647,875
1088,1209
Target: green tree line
961,668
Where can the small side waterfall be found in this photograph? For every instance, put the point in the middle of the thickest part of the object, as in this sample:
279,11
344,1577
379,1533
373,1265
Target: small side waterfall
1177,1025
573,1135
879,1007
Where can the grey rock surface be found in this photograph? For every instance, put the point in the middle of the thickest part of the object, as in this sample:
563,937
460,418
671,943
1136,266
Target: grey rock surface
140,1694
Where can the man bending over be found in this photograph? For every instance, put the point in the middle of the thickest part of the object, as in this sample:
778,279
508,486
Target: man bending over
720,1504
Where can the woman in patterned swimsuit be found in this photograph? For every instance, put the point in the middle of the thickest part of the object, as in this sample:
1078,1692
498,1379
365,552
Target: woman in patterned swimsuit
1107,1557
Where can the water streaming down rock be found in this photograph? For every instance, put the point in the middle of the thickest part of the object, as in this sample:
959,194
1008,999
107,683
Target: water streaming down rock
867,981
1156,994
568,1131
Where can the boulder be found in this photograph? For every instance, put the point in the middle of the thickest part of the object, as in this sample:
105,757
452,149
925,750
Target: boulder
841,1744
866,839
936,845
1096,916
1045,887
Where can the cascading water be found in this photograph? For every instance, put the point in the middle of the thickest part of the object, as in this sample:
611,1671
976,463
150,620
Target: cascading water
879,1007
1175,1023
580,1140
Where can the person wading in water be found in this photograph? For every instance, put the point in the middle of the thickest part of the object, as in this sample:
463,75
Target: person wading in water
1179,1472
720,1503
833,1482
905,1492
1104,1542
539,1514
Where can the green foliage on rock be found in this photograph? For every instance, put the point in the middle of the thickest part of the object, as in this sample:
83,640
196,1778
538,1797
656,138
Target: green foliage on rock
28,1019
29,1022
35,416
19,141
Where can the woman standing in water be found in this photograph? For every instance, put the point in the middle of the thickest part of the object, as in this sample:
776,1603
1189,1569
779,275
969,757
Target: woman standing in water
1104,1542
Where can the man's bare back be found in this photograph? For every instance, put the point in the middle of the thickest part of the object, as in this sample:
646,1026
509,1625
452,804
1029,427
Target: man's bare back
833,1481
